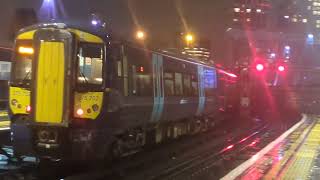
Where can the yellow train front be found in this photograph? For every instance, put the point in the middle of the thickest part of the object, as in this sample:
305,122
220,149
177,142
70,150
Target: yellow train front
47,93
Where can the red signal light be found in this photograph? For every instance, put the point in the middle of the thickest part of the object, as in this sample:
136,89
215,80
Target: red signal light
259,67
281,68
141,69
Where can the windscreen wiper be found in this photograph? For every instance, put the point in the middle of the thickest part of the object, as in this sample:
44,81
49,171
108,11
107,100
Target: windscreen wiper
84,77
25,77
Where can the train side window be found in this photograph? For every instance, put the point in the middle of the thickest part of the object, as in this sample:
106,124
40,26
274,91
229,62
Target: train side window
141,81
194,85
90,57
178,86
210,81
168,84
187,84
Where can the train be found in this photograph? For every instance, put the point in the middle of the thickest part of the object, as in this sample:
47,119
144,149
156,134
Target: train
78,94
5,68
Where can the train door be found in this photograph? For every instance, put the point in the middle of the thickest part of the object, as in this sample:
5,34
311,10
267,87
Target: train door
202,97
158,89
51,85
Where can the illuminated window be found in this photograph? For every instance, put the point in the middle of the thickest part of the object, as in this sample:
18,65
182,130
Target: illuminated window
187,84
236,9
90,57
168,84
178,86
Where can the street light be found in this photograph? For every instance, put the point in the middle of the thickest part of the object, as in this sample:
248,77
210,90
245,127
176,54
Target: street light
189,38
140,35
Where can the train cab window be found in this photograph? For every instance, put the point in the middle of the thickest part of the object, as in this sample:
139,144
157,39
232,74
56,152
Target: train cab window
168,84
178,86
90,57
187,84
22,71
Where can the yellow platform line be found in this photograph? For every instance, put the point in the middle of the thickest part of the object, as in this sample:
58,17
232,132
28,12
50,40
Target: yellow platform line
278,166
301,163
244,166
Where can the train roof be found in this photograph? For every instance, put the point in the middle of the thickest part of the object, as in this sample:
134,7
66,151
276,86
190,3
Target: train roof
105,36
95,33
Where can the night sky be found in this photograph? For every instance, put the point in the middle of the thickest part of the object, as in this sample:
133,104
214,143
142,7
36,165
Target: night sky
161,18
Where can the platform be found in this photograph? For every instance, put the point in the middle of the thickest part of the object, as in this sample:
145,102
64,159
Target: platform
4,120
293,155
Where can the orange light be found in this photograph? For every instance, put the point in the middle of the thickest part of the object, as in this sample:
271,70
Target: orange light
281,68
80,112
140,35
25,50
28,109
259,67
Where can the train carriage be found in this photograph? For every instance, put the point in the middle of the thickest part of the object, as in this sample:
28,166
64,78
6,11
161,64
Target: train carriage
80,95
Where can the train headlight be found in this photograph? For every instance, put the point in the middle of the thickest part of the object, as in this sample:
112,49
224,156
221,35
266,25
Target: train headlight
28,108
80,112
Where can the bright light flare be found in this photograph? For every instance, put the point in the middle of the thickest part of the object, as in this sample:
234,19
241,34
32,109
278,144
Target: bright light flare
94,22
189,38
281,68
259,67
25,50
140,35
230,147
228,74
28,108
80,112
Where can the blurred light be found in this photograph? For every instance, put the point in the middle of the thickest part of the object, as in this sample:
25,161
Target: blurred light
287,17
304,20
273,55
140,35
230,147
189,38
259,10
228,74
80,112
248,10
259,67
94,22
287,48
28,109
310,36
141,69
236,9
281,68
25,50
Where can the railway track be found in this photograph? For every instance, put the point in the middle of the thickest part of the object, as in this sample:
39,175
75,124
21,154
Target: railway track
208,159
171,163
192,157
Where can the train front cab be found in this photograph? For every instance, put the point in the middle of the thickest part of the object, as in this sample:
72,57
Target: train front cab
47,94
